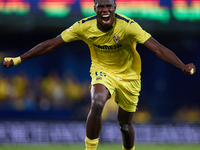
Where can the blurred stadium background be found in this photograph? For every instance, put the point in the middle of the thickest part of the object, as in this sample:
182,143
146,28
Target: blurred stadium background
46,99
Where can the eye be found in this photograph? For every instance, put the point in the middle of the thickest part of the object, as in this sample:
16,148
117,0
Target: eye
109,6
99,6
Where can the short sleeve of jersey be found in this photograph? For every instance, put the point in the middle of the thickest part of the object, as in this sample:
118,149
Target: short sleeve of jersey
72,33
135,31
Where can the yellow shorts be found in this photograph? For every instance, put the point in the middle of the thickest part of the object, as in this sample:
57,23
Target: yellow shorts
125,92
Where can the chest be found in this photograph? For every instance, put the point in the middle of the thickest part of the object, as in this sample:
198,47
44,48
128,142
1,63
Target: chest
109,38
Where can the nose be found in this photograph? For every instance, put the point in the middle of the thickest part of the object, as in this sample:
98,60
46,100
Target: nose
105,9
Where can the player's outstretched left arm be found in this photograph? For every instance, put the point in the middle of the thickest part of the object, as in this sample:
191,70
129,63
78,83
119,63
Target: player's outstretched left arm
167,55
41,49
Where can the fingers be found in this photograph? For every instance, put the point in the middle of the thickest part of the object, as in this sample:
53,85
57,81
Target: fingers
191,69
11,61
8,63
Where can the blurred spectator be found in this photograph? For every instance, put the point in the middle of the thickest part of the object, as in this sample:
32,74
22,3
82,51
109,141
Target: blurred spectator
193,115
4,86
19,85
142,116
188,114
73,90
29,101
53,86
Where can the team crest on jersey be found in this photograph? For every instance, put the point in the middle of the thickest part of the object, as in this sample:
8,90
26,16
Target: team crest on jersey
116,38
70,28
99,78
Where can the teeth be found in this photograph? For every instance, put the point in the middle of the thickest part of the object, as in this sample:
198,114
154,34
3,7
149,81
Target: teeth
105,15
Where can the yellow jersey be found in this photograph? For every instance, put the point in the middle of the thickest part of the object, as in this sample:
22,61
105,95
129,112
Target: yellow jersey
113,52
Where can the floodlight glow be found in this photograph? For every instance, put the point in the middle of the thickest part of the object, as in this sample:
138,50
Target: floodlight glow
56,8
18,7
183,10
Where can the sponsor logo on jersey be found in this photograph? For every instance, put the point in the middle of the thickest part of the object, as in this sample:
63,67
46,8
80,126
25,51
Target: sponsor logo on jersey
116,38
106,47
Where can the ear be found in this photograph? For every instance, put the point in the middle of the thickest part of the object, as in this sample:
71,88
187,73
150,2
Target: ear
95,8
115,6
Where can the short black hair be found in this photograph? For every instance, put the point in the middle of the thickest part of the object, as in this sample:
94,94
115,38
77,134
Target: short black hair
96,0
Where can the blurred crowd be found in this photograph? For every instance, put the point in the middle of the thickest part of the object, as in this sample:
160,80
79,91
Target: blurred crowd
53,92
50,92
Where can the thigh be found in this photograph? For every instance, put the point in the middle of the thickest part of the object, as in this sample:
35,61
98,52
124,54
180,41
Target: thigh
99,92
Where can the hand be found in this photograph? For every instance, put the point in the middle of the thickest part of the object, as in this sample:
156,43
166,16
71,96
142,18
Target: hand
189,69
8,63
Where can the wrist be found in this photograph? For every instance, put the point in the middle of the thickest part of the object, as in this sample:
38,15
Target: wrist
16,60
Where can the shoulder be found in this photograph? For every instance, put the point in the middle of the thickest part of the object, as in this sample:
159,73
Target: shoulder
86,23
124,19
88,20
127,23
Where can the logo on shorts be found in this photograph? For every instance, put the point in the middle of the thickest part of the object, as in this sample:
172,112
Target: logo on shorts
116,38
99,78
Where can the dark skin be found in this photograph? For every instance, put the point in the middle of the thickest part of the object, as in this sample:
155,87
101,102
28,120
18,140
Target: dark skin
99,93
105,7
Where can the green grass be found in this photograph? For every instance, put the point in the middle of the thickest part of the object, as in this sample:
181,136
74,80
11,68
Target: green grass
102,147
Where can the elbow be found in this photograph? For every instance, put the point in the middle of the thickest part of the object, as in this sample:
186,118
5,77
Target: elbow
157,51
50,46
50,49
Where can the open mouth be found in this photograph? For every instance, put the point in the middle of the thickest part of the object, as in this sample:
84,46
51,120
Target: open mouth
105,18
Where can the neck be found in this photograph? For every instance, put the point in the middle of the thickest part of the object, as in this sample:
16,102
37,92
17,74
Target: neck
104,29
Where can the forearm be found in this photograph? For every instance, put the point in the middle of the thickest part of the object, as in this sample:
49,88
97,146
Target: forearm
164,53
169,56
41,49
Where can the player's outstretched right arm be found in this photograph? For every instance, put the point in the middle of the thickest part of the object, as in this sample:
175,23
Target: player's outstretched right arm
41,49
